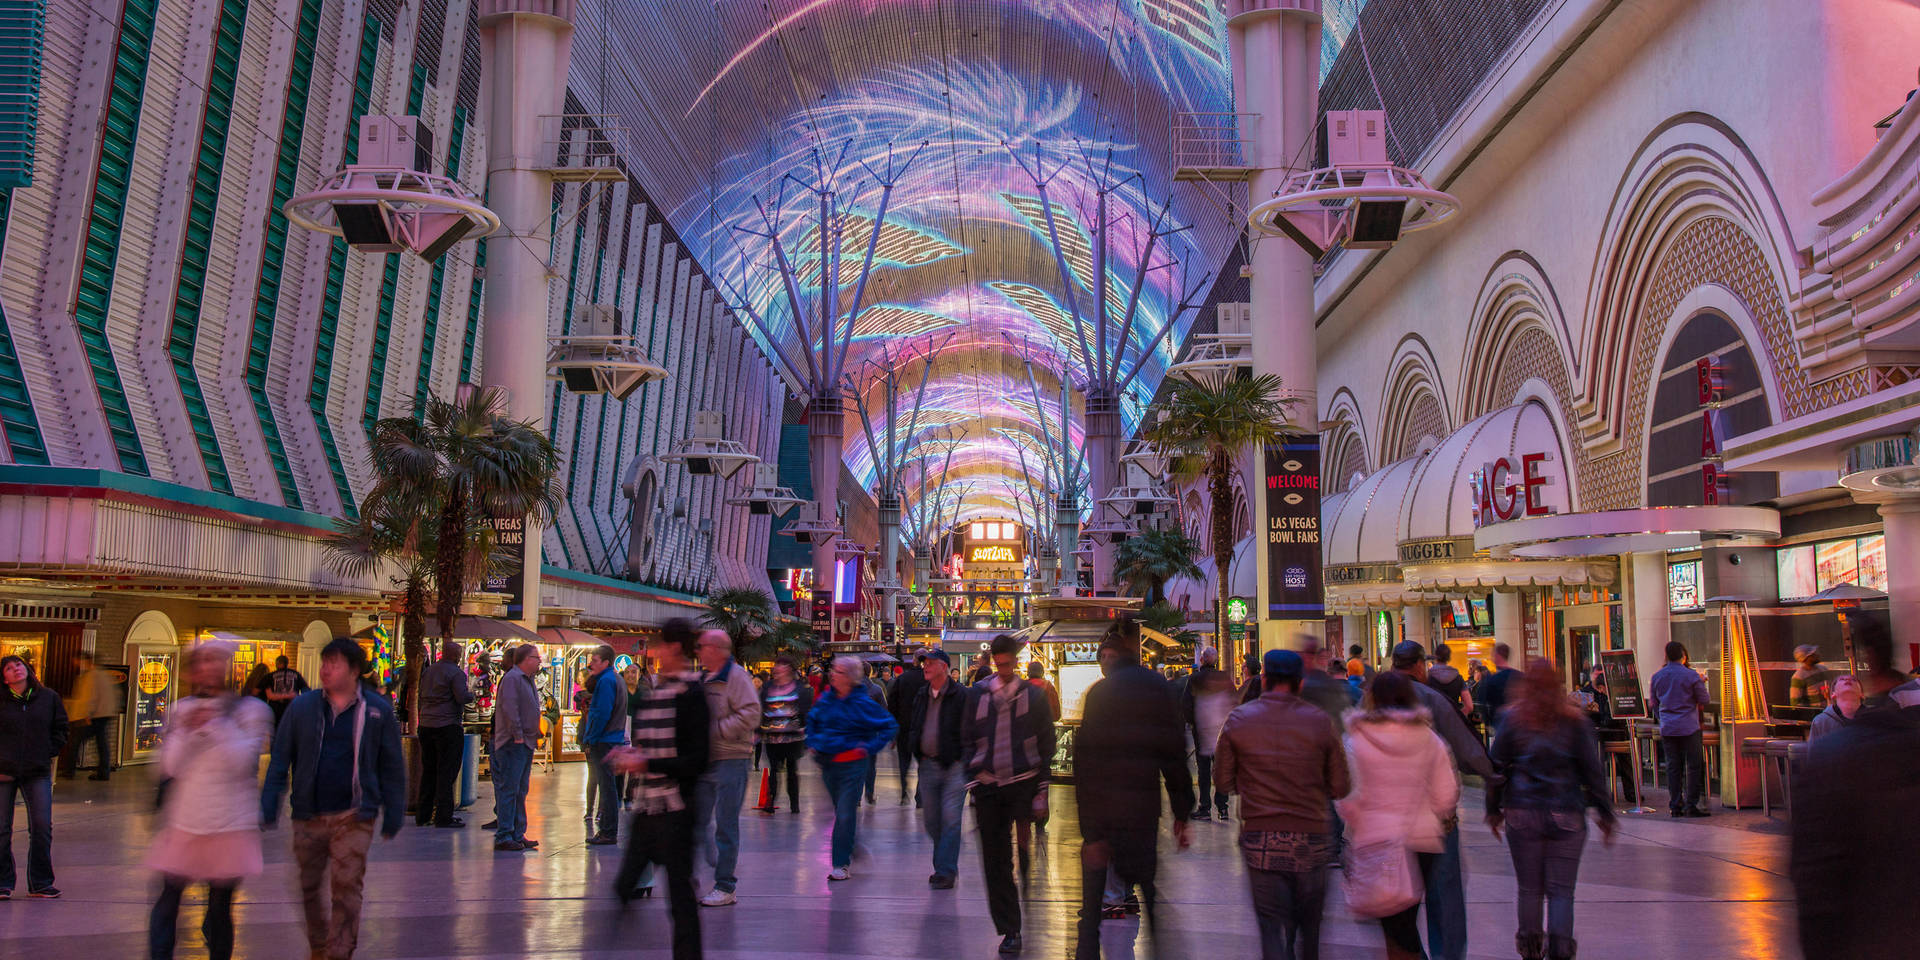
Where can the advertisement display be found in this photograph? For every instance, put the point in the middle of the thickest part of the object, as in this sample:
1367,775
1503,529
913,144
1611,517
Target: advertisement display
153,678
1293,530
1623,685
509,549
822,618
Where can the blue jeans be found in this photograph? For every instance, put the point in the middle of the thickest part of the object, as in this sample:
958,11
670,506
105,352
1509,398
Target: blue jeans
512,773
1446,901
845,783
1546,847
38,793
943,799
716,803
606,793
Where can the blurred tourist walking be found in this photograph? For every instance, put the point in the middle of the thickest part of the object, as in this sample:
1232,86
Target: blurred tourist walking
443,702
1549,759
516,735
1404,796
901,695
784,702
1445,896
95,704
733,711
209,809
33,731
669,753
1007,737
846,728
340,744
1210,697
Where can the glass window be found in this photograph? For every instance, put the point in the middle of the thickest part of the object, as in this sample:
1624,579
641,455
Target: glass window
1873,563
979,531
1683,585
1795,567
1836,562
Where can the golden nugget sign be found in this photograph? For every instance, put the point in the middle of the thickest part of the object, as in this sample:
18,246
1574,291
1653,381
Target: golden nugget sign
994,554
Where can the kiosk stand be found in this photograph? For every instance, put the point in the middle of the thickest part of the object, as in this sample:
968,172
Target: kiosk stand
1625,702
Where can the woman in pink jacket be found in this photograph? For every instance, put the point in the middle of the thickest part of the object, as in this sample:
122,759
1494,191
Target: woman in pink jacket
1405,790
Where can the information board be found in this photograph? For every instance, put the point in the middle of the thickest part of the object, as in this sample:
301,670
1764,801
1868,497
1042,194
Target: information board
1624,699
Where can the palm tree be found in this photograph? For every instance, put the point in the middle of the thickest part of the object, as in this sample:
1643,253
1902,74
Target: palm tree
788,636
1147,560
464,462
381,534
1202,431
745,613
1165,618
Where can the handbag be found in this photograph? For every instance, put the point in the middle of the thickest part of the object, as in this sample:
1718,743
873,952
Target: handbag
1383,878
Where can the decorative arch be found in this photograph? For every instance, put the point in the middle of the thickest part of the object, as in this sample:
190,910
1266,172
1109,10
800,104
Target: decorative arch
1242,510
1711,319
1194,516
152,626
1518,331
1690,172
1344,447
1413,402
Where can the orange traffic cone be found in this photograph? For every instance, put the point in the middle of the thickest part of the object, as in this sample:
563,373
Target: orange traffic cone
766,784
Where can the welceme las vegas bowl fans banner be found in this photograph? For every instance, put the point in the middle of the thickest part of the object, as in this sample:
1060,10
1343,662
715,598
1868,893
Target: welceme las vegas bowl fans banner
1293,530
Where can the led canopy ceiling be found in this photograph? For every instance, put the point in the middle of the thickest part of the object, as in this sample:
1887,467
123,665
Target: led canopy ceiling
746,102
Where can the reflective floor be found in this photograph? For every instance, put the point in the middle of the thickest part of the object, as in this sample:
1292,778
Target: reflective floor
1685,890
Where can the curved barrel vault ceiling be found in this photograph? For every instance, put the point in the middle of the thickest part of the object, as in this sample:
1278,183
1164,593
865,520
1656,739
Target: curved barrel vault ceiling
721,101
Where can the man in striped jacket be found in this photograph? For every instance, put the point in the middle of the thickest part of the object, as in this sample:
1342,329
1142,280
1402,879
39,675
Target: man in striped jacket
1007,738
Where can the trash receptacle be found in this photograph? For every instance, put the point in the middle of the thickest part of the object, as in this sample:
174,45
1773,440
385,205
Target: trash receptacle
469,768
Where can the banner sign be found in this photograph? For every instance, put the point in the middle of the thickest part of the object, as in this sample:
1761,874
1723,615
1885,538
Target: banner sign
510,550
822,618
1623,685
1293,530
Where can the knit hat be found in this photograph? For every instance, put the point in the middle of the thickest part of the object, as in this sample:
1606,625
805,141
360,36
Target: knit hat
1282,665
1407,654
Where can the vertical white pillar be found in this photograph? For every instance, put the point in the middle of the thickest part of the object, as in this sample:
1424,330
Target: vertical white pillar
1647,599
1507,627
1103,471
1902,519
525,46
1417,625
826,427
1276,63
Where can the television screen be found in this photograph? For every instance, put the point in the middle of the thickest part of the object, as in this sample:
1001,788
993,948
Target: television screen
1482,617
1461,618
1796,572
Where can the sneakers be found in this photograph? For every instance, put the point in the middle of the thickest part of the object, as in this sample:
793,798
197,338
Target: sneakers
45,893
839,873
1010,945
939,882
1113,912
529,844
718,898
5,894
509,845
1202,814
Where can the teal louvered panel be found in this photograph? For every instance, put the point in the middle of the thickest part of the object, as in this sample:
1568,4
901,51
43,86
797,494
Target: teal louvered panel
19,423
274,247
184,332
94,294
329,321
22,31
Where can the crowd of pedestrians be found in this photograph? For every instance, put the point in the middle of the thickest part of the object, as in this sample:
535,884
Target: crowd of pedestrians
1337,771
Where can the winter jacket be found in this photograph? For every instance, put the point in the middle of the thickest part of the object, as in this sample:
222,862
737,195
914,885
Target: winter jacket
516,710
1210,697
1856,856
953,712
1281,756
837,724
380,770
606,719
1449,682
1129,741
1452,728
733,711
1034,739
443,694
214,769
1492,694
1404,787
1829,721
95,696
33,730
1554,769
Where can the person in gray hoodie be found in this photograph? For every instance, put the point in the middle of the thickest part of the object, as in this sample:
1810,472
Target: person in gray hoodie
733,708
516,735
444,696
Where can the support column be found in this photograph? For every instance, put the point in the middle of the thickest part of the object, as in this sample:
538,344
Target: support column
525,46
826,429
1417,625
1103,471
1902,519
1647,596
890,554
1066,535
1507,627
1354,628
1276,63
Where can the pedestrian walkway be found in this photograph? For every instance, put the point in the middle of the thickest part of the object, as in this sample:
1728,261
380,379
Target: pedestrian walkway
1669,890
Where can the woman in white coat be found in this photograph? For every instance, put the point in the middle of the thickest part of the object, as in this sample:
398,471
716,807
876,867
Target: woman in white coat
1405,791
210,801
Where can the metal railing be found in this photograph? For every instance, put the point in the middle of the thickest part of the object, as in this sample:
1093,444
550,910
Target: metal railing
1213,141
585,147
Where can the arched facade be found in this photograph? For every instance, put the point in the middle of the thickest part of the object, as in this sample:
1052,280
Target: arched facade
1413,404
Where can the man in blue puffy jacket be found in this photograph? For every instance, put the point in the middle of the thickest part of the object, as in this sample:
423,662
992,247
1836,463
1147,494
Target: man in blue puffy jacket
846,728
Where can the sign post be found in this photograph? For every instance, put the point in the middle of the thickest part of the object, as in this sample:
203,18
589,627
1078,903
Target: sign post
1625,701
1238,610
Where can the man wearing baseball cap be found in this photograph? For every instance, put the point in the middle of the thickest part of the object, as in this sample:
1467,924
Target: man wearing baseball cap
1283,758
1446,893
933,734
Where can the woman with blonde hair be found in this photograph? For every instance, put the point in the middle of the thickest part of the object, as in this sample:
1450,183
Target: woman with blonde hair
209,805
1549,761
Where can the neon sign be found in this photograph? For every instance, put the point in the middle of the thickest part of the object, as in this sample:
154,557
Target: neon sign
993,554
1510,488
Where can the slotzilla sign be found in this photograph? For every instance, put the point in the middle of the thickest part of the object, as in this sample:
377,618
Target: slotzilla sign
998,553
1292,479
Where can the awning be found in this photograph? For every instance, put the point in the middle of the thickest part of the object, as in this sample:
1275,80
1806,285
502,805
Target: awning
876,658
1484,574
568,637
1625,531
493,628
1081,631
1353,598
